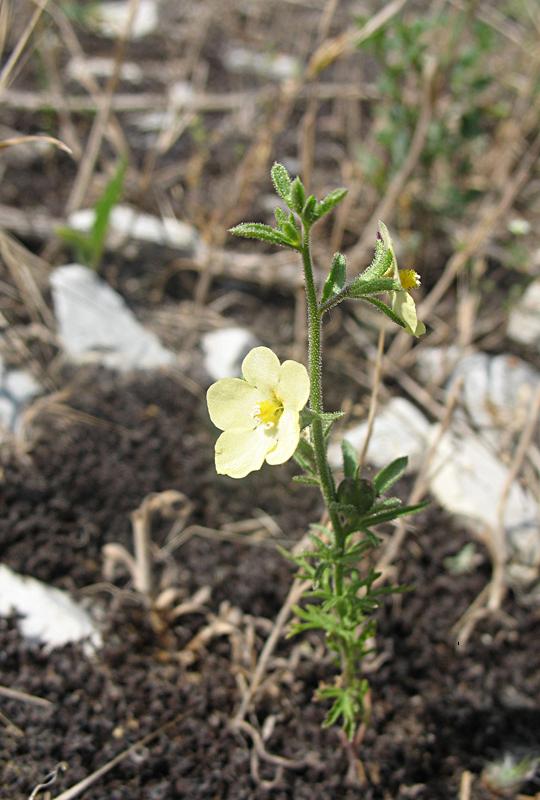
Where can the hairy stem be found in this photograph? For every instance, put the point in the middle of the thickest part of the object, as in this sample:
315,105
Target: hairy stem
316,402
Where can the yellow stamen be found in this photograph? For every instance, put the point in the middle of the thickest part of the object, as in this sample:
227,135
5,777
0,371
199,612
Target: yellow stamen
409,279
270,411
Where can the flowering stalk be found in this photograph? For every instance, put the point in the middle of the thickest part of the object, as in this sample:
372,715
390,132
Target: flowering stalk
262,416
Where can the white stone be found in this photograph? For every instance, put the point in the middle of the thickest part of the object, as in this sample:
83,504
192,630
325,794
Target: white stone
519,226
435,364
180,94
468,480
400,429
127,223
110,18
224,350
49,615
102,67
497,392
279,67
17,389
524,319
96,325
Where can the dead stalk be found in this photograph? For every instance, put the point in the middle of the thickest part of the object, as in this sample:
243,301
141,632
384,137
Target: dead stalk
21,44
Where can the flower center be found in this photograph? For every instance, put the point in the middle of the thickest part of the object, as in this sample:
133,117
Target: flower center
409,279
270,411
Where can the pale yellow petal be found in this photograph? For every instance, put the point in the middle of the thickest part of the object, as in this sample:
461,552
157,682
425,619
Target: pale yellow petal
404,306
232,403
293,385
260,368
288,434
239,452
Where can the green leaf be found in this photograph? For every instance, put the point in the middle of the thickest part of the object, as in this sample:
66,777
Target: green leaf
297,197
78,241
292,233
387,476
308,212
391,514
360,288
256,230
350,459
329,202
281,181
381,264
281,217
89,246
336,277
356,492
385,310
104,206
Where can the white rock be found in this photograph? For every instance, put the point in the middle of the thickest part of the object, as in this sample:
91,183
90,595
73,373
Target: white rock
17,389
49,615
224,350
96,325
101,67
110,18
468,480
435,364
524,319
127,223
400,429
497,392
180,94
278,67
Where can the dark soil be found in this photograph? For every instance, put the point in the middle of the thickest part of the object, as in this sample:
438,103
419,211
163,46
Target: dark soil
437,710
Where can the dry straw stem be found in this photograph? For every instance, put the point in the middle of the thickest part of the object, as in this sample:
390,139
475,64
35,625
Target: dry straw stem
37,139
421,483
24,697
377,375
465,785
295,593
90,780
474,243
10,726
490,599
169,504
23,266
99,127
69,38
498,536
21,44
332,49
356,256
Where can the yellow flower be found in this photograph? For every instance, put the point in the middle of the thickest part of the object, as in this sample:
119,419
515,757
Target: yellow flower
259,415
402,303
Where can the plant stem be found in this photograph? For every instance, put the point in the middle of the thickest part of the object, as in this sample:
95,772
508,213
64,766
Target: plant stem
316,402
